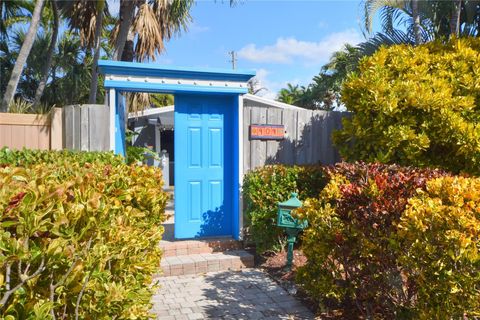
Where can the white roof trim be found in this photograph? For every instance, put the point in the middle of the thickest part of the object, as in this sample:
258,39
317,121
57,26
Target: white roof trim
176,81
273,103
150,112
251,97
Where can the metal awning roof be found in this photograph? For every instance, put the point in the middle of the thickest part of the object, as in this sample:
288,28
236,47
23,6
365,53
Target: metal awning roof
149,77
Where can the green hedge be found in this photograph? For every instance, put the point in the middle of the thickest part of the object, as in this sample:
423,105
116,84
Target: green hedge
26,157
263,188
390,242
78,238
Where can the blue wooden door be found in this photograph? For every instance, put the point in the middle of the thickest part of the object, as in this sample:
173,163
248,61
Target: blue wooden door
203,166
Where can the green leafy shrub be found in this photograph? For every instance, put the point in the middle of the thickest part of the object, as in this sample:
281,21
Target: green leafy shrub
27,157
440,237
140,154
264,187
78,238
416,106
351,243
137,154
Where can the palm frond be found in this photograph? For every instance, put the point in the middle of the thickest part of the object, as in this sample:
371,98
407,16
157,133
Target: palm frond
371,8
174,16
82,16
382,39
138,101
149,33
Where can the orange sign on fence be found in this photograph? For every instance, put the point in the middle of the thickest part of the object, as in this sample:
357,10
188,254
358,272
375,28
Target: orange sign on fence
267,132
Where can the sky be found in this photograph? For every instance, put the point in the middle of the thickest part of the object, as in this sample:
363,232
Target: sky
284,41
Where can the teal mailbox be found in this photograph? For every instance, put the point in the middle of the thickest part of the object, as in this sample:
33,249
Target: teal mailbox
292,226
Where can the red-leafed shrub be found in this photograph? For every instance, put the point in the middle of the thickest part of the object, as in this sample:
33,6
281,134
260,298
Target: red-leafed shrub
351,243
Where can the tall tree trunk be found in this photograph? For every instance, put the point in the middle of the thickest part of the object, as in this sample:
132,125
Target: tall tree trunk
455,18
51,50
92,98
127,11
22,56
416,22
128,51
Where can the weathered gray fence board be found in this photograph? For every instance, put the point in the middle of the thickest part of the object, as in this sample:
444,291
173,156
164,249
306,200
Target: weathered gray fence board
77,128
258,149
99,132
67,123
84,124
86,127
308,137
287,146
274,116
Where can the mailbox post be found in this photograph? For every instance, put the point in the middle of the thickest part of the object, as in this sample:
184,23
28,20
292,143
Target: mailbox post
292,226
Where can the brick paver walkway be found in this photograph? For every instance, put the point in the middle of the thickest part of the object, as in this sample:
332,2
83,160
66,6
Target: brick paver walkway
246,294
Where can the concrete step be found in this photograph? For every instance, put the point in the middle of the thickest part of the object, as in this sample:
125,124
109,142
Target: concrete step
206,262
189,247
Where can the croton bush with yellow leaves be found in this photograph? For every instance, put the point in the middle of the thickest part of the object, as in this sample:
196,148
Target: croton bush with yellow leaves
78,239
394,242
417,106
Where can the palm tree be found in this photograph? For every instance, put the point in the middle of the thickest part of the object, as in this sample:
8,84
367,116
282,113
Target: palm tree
393,13
11,12
127,11
455,18
22,56
254,86
327,85
424,20
291,94
87,18
70,73
416,22
32,71
92,98
50,52
148,25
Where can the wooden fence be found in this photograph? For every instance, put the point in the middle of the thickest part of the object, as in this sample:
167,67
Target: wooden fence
307,141
86,127
31,131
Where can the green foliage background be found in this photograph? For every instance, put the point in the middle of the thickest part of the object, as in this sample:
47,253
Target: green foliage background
264,188
416,106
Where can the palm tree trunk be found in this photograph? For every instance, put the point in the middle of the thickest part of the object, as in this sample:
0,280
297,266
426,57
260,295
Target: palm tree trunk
455,18
51,50
128,50
127,10
22,56
416,22
92,98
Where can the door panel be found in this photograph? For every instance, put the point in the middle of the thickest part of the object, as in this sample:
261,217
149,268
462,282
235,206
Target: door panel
194,144
203,166
215,140
195,201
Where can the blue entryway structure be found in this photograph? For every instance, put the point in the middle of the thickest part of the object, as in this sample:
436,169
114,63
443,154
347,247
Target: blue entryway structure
208,139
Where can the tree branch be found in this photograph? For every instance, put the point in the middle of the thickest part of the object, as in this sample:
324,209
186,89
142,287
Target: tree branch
53,287
52,297
7,276
24,278
79,298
